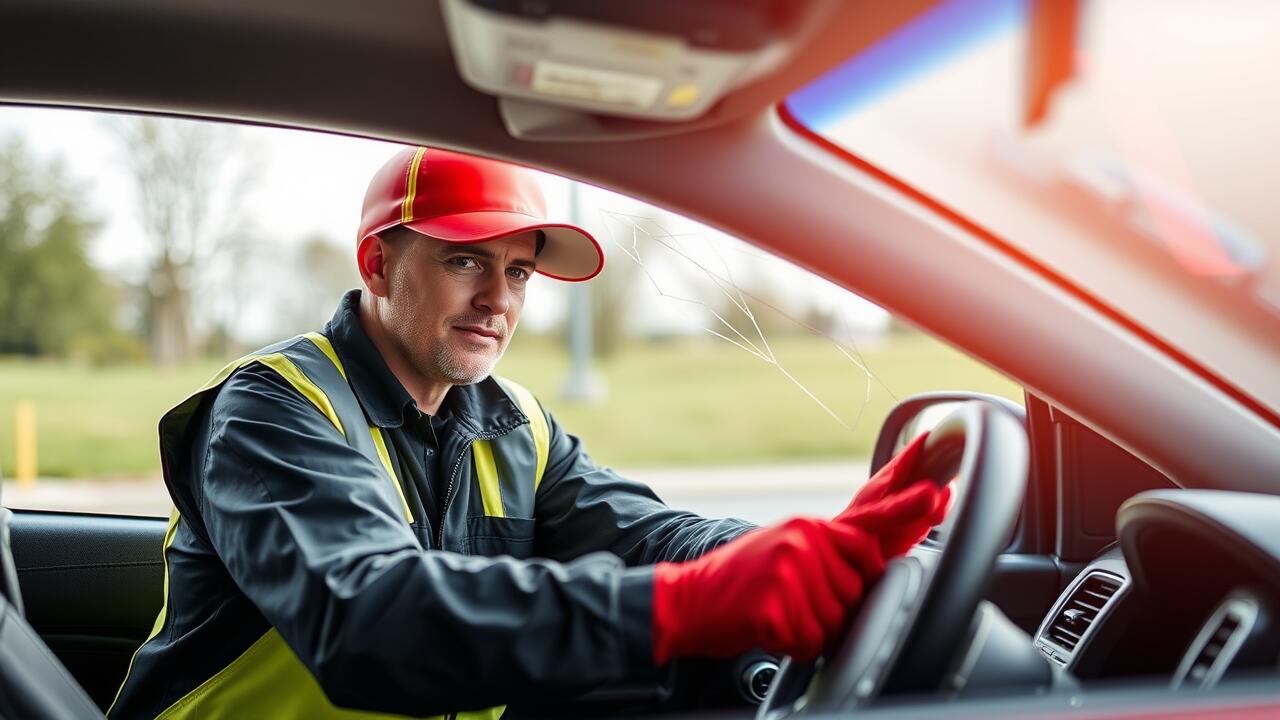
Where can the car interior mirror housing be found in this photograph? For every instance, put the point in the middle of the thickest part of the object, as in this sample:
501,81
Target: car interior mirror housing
582,70
671,65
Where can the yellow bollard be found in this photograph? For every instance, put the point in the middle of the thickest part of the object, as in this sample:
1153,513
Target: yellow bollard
26,444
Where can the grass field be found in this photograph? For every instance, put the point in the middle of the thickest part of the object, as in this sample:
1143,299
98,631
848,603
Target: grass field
688,402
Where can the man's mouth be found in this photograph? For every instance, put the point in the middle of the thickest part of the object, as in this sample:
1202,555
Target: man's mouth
478,333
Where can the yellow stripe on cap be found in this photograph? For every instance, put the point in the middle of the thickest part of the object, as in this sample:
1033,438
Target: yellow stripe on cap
411,187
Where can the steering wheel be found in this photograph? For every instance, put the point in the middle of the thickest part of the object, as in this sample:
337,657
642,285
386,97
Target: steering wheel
909,628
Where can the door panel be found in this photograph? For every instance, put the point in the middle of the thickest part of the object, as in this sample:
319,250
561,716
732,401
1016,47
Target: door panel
92,585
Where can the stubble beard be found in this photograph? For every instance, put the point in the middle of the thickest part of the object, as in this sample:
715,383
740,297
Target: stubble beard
457,366
455,370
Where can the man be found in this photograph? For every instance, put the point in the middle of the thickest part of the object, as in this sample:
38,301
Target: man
365,518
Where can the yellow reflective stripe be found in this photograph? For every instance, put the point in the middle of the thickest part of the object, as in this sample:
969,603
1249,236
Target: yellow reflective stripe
487,476
302,384
381,443
169,534
268,680
290,372
326,347
537,425
411,186
223,374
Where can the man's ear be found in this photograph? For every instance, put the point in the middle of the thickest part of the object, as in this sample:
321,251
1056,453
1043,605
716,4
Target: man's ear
371,259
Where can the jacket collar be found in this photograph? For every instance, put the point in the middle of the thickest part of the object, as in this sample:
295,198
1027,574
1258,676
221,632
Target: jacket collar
482,408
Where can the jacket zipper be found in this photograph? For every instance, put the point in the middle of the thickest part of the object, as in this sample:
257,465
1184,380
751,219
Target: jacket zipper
453,475
448,491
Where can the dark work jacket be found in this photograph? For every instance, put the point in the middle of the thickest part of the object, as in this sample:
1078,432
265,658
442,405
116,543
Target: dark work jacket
417,567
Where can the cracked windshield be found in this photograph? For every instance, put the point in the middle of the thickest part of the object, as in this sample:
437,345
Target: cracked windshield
138,256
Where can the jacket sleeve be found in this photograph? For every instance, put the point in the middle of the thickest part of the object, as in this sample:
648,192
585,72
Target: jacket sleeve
305,528
582,508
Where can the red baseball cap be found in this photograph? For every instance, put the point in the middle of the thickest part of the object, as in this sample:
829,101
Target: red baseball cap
465,199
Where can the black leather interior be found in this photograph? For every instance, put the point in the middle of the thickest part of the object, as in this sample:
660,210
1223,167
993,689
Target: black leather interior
8,573
33,684
92,585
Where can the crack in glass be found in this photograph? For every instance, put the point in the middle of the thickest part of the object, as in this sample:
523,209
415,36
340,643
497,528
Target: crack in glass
700,258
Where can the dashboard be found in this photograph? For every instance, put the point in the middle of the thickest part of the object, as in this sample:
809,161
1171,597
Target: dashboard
1189,593
1187,599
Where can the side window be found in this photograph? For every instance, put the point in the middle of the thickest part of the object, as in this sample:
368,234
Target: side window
138,256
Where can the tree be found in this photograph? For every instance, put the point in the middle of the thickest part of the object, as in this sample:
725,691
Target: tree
190,179
51,296
326,267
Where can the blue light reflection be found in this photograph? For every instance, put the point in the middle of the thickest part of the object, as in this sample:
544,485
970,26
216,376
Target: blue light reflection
928,41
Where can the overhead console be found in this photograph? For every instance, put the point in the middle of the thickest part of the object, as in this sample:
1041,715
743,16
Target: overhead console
619,59
562,69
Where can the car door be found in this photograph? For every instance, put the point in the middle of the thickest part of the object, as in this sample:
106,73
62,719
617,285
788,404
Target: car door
92,585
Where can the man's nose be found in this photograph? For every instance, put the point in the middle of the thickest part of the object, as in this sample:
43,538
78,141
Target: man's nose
493,295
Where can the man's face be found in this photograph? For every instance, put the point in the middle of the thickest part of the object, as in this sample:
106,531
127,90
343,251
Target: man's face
453,308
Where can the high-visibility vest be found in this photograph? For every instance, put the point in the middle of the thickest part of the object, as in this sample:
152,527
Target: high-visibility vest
268,680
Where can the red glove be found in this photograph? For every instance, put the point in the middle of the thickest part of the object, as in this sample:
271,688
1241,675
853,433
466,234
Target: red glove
785,588
899,528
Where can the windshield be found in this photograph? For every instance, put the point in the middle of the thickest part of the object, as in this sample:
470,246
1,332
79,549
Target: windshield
1124,146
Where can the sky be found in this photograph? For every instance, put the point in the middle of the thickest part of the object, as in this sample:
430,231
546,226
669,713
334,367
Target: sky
311,183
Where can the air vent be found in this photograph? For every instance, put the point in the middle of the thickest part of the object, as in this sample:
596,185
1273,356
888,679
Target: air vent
1203,664
1078,613
1218,642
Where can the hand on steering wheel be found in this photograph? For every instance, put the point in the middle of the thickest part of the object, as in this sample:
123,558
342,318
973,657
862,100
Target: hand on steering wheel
898,481
786,588
910,626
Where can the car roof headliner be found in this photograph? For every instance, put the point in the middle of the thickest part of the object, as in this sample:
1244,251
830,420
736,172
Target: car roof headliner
380,69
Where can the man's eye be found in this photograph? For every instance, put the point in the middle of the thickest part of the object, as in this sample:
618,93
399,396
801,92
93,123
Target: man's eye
518,273
464,262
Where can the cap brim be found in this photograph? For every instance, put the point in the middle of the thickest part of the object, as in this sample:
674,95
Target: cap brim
570,253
